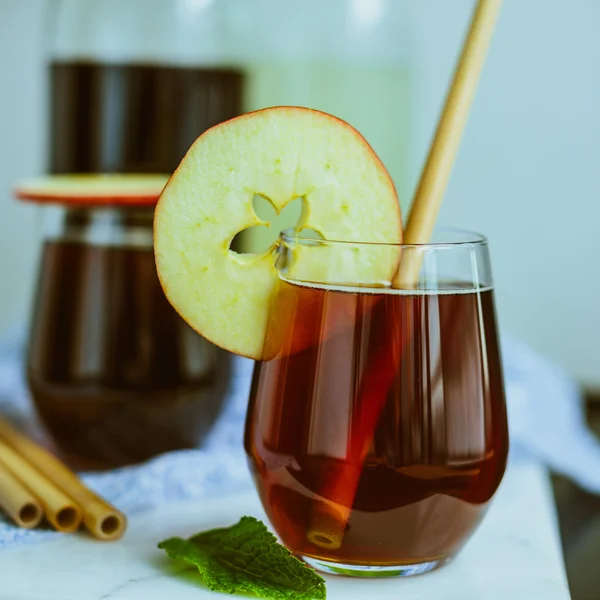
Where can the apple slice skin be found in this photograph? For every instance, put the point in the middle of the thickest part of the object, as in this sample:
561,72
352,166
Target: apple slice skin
281,153
94,190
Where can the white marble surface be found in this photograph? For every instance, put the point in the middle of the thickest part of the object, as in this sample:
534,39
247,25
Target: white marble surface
515,554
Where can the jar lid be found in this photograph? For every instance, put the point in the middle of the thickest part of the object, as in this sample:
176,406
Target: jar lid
94,189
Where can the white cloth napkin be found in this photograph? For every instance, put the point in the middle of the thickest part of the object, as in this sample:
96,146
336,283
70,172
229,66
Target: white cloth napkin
546,416
546,419
218,469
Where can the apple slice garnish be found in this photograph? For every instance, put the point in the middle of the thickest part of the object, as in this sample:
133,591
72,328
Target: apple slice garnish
281,154
94,189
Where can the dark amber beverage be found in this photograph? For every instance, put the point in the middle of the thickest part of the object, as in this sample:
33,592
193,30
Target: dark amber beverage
134,118
377,433
116,375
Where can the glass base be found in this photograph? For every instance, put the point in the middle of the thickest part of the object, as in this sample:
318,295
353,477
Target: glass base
374,571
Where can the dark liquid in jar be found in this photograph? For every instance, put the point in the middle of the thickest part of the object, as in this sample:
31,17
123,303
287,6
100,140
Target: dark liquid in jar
440,444
116,375
134,118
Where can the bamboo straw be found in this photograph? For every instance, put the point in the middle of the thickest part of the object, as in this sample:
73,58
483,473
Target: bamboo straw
102,520
329,519
436,173
17,501
63,514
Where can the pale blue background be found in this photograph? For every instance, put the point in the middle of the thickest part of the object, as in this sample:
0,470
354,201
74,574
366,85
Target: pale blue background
527,174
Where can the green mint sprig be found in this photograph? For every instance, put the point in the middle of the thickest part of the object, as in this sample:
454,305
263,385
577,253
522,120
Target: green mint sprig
246,557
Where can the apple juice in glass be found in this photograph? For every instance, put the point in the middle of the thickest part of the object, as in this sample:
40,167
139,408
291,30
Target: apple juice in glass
376,429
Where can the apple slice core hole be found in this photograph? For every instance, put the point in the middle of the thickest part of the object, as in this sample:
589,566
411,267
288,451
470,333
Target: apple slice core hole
262,238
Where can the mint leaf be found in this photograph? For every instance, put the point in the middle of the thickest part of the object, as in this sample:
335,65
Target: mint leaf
247,558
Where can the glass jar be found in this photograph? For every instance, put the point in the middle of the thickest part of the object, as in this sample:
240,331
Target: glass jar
115,374
134,82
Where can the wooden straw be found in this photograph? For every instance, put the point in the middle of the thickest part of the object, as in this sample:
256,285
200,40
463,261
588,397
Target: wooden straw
63,514
17,501
329,519
102,520
436,173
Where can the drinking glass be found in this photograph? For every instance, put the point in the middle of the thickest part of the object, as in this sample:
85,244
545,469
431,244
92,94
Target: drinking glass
377,430
115,374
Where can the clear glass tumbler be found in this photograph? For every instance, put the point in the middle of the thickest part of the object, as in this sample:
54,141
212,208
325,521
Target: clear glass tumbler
377,429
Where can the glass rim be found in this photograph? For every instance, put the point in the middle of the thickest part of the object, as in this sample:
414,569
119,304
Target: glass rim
471,239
